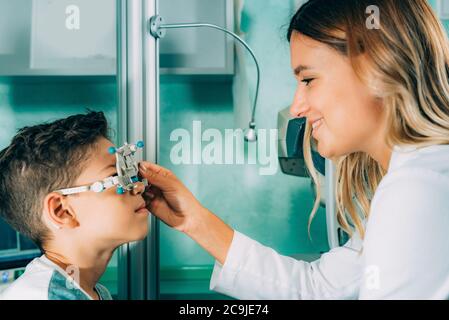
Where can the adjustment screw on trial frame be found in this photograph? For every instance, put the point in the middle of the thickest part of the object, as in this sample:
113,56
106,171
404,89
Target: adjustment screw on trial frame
140,144
120,190
112,150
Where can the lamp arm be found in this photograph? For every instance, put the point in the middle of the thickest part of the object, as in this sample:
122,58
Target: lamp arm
156,26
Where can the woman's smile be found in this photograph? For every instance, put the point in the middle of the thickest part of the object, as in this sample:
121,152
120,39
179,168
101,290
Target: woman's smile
316,125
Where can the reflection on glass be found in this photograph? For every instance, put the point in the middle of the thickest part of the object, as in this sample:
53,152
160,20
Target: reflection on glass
8,238
26,244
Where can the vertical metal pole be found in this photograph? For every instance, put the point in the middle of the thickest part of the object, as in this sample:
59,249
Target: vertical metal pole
138,83
135,109
122,265
151,130
331,217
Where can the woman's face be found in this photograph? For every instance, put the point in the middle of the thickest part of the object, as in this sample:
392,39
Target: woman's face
345,116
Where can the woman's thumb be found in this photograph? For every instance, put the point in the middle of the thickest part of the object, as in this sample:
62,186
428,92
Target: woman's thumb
156,175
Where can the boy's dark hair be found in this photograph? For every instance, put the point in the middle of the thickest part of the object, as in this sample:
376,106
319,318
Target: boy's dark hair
42,159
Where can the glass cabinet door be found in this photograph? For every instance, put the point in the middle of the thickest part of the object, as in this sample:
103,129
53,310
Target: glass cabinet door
272,209
64,37
59,58
27,101
33,91
201,140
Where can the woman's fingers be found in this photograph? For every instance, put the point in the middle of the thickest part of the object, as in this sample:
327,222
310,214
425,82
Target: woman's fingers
145,165
167,198
156,175
150,194
155,191
160,208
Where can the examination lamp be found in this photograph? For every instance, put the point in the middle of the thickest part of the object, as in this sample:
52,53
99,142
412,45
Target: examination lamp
157,30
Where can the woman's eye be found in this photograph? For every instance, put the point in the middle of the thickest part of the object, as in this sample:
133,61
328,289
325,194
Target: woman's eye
307,81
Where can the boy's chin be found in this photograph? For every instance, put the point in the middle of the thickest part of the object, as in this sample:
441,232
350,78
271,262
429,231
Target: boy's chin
134,231
138,235
143,236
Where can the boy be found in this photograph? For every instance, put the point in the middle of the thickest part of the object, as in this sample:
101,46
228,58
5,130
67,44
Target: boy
76,229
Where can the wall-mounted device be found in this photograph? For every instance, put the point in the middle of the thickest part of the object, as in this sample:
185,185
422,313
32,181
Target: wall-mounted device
291,160
290,149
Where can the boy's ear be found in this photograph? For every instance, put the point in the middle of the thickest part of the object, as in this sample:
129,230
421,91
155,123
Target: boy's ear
58,211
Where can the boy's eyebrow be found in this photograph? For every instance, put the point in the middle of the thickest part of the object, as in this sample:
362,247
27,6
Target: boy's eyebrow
109,166
300,69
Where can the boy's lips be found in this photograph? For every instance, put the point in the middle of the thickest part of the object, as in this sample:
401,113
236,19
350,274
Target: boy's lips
141,207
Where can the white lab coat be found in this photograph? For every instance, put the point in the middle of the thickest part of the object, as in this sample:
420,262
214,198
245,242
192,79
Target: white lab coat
405,251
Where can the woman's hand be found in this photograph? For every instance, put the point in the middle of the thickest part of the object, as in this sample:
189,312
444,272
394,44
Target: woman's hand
168,198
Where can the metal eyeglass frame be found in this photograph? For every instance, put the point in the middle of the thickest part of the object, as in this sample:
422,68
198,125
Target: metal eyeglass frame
127,173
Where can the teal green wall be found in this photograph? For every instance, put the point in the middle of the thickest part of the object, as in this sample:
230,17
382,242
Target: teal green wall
445,22
272,209
29,101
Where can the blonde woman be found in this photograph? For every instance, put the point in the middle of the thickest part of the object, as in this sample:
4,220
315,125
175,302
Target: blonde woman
377,103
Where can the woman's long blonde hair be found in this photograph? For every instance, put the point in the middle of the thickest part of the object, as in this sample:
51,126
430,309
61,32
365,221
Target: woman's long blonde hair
405,64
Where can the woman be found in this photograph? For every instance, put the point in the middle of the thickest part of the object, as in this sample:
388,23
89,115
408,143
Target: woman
377,103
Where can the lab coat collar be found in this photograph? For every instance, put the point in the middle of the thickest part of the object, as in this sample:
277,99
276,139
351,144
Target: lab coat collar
401,155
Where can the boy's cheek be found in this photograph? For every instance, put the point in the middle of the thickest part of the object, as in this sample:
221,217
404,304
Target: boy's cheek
116,205
97,208
109,206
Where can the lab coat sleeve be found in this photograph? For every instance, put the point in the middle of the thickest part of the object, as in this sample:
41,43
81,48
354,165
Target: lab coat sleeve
253,271
406,248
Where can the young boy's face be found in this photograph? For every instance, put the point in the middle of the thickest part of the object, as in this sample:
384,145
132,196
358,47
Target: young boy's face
108,218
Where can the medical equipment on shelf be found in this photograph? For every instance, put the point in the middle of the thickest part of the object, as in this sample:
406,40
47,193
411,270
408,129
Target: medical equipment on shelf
127,172
157,30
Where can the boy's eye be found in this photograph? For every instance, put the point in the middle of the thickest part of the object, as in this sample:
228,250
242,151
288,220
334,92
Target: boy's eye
307,81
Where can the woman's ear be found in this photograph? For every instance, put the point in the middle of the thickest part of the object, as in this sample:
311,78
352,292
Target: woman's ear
58,212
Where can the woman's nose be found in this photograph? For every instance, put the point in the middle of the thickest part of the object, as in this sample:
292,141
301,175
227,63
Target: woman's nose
138,189
299,107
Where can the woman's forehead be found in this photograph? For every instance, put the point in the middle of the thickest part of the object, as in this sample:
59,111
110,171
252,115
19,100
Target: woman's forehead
307,52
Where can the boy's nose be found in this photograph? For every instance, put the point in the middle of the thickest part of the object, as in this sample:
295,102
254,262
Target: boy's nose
139,187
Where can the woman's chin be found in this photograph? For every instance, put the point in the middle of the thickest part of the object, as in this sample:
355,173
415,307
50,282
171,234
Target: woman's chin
326,150
323,150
